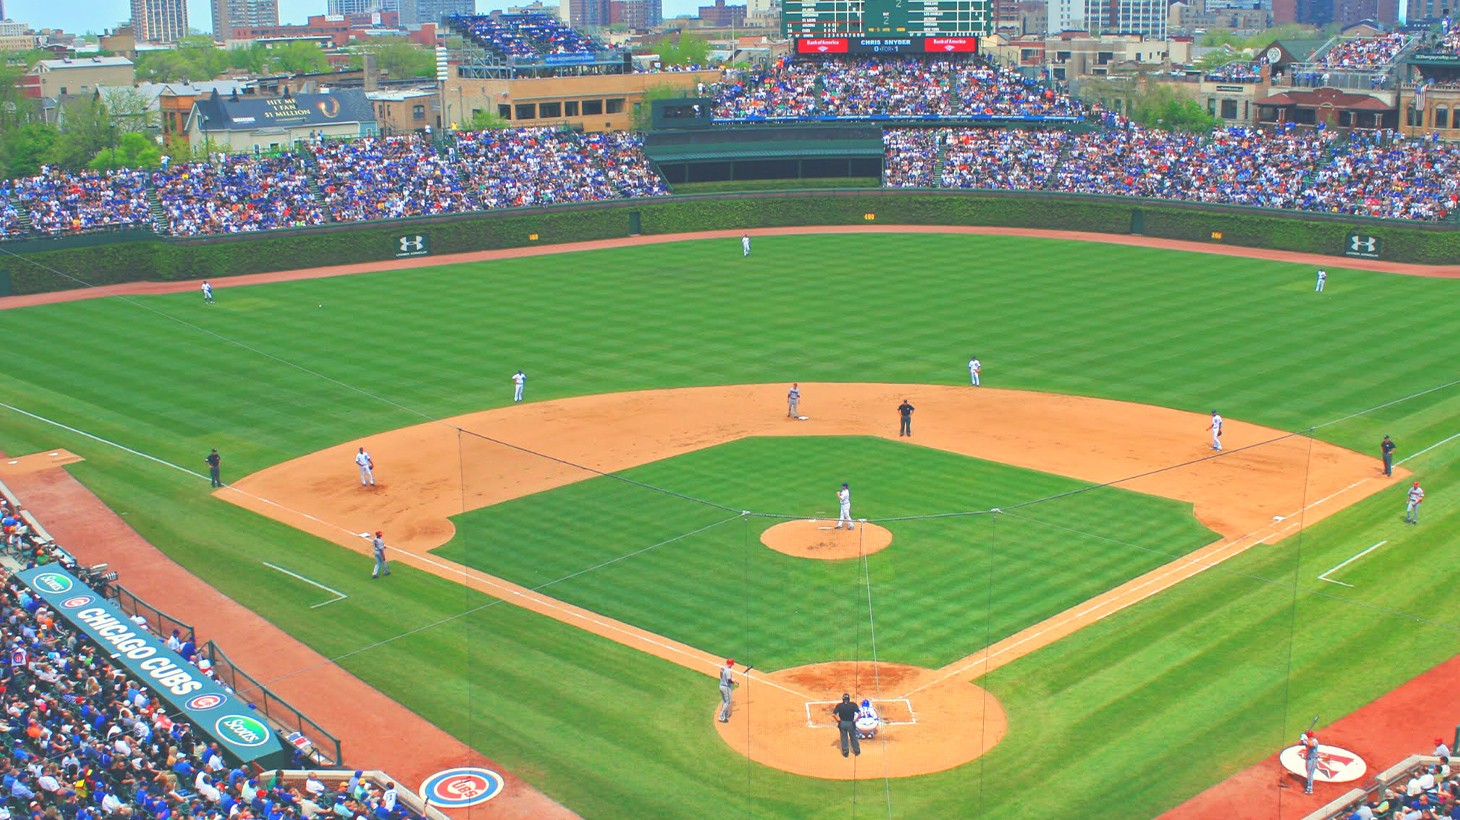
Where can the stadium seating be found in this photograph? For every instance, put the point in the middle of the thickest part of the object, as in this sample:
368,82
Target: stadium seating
523,35
236,193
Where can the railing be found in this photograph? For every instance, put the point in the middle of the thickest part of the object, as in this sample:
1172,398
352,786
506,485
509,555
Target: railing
158,621
302,733
1346,803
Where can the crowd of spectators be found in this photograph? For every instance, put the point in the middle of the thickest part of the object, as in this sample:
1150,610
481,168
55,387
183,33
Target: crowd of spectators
388,177
235,193
1449,43
1395,178
543,166
60,203
854,88
524,35
86,741
1365,52
1238,72
9,217
1001,158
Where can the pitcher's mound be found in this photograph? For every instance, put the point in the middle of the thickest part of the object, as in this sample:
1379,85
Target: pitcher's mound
813,538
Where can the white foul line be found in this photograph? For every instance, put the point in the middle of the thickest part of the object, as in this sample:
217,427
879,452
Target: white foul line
1429,448
342,595
1324,576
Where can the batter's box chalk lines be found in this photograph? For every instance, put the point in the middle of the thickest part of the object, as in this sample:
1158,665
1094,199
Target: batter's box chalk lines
813,723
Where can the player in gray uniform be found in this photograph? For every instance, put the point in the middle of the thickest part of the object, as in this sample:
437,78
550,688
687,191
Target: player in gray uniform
793,402
727,687
378,546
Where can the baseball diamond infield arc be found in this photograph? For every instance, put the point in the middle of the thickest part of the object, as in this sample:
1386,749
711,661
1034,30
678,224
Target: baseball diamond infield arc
1249,494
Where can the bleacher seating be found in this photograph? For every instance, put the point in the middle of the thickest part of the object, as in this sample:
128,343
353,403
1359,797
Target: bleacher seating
524,35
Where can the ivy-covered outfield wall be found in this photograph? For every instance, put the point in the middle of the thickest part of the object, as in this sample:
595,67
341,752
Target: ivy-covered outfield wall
140,255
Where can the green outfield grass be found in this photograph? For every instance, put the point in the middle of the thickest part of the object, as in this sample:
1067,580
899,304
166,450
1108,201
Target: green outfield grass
791,611
1214,674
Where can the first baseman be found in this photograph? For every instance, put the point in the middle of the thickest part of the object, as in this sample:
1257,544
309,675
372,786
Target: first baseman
974,367
844,504
793,402
1216,428
520,380
727,686
367,468
1411,510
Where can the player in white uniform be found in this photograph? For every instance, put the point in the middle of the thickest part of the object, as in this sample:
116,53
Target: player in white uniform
974,367
1322,280
1411,510
1216,428
519,379
745,244
844,502
367,468
207,292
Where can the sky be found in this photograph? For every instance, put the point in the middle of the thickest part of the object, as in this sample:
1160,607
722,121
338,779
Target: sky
82,16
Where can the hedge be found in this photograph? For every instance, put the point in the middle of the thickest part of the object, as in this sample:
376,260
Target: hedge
138,255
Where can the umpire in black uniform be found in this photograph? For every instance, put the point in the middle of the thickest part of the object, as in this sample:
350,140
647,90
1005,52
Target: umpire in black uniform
846,724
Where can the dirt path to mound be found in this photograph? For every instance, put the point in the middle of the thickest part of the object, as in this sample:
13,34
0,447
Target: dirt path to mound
376,732
429,472
154,288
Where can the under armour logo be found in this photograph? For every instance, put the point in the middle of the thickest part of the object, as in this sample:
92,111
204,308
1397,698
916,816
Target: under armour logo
409,244
1365,244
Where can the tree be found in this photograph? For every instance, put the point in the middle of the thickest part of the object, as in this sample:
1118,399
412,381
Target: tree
86,128
297,58
25,148
194,59
644,117
130,112
683,48
484,120
131,151
398,59
1160,105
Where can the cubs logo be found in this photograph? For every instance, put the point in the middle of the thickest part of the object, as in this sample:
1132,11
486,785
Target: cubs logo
204,702
1335,765
461,787
78,601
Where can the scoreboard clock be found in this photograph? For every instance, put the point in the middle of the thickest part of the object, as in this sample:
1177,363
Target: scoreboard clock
892,20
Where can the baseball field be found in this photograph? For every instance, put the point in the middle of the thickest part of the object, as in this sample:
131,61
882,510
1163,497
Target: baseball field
631,492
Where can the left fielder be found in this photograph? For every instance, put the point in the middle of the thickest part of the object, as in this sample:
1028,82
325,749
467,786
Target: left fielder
844,503
745,245
1216,428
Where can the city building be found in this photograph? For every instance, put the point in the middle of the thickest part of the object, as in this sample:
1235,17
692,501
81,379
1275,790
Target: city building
765,13
415,12
588,13
232,14
361,6
593,102
722,16
405,111
16,37
337,30
239,124
1072,55
159,21
69,77
1321,13
636,14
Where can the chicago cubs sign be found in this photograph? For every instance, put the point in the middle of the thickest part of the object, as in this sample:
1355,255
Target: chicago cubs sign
461,787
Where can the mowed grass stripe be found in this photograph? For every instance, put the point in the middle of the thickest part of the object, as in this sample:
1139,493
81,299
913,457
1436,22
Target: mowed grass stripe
1174,329
693,588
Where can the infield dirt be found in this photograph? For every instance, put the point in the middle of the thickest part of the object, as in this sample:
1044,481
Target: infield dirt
1267,484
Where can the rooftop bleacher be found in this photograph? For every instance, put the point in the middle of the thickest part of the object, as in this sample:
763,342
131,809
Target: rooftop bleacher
524,35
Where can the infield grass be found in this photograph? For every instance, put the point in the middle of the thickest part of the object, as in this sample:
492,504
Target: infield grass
1122,719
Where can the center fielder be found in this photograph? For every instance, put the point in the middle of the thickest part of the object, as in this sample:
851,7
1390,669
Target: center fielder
844,501
367,468
1216,428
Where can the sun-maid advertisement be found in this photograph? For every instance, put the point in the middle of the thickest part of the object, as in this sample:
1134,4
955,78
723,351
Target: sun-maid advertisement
211,709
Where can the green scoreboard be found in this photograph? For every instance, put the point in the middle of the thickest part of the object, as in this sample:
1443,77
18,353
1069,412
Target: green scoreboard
885,26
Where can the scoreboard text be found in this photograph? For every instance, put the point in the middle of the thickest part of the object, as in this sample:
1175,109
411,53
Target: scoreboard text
885,18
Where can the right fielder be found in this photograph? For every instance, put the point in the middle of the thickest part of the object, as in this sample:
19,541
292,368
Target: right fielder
844,502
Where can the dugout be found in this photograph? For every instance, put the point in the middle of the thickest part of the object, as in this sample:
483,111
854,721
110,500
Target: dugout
694,153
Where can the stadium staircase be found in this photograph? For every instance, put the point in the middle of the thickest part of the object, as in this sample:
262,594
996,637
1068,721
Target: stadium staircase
22,225
1059,164
154,207
942,155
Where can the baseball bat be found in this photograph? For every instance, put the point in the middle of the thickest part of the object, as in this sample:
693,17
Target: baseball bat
1313,723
